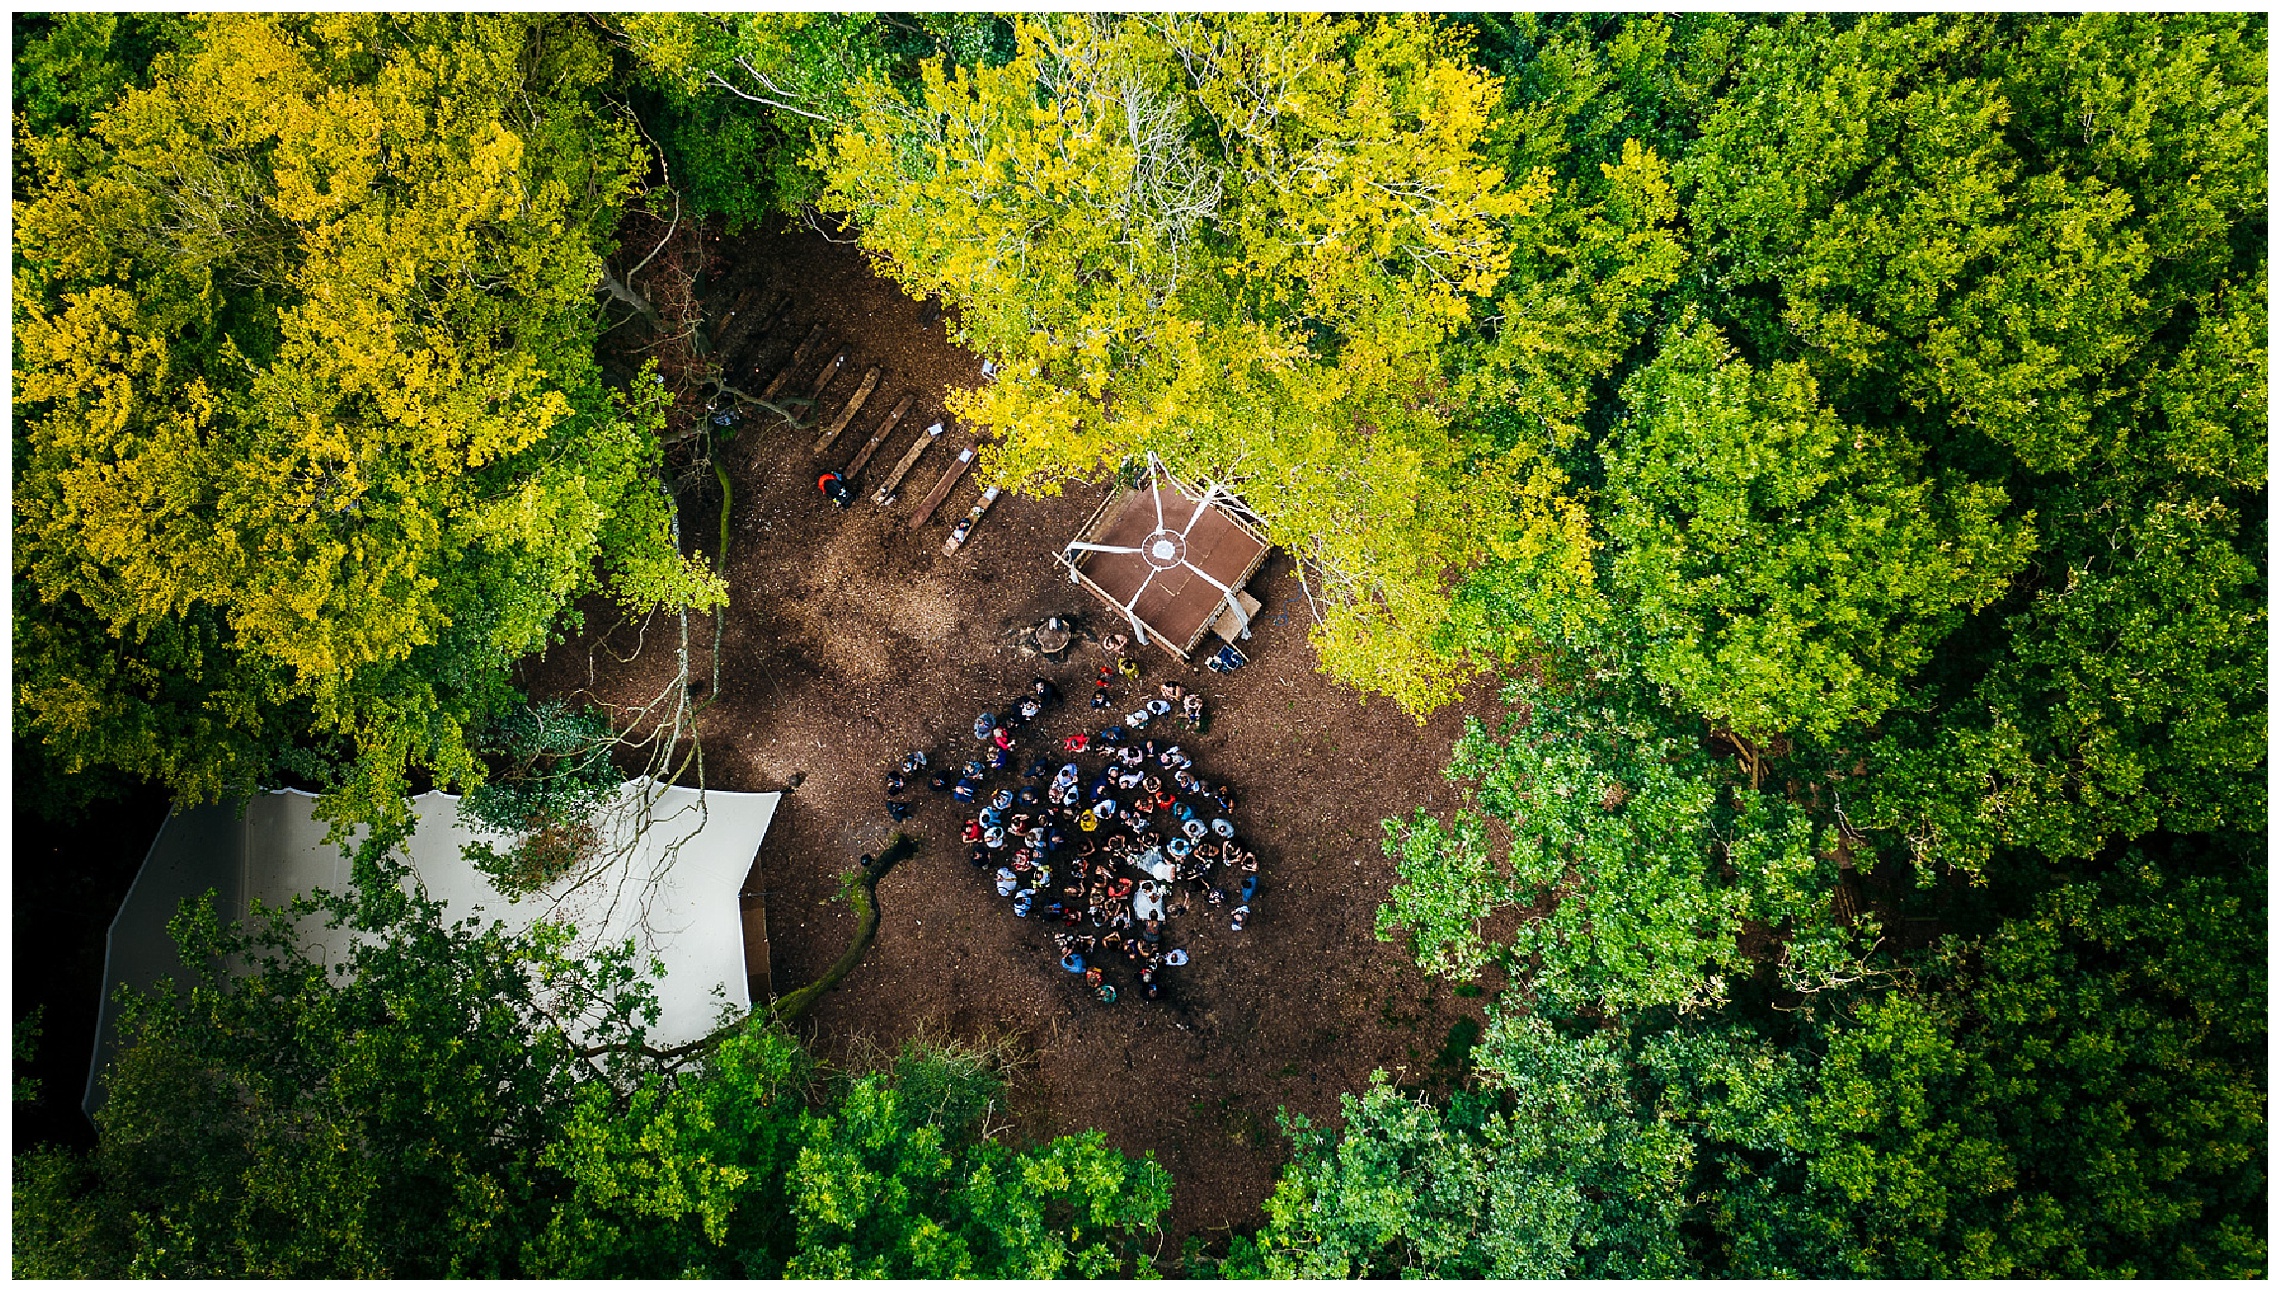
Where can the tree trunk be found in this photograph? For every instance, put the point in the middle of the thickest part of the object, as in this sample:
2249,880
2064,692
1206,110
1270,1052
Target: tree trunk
624,292
864,894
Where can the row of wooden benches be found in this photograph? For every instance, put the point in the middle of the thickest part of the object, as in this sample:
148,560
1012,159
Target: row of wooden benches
933,499
806,350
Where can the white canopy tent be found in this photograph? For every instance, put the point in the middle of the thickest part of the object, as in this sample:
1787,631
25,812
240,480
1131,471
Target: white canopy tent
674,861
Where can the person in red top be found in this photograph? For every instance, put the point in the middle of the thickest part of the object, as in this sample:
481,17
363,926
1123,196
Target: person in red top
835,488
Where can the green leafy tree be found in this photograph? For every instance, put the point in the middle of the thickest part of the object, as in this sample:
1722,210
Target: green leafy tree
729,1173
1580,298
2131,698
453,1099
70,66
310,440
24,1041
1783,571
1543,1170
2077,1093
1958,218
2026,249
1924,507
739,102
557,771
1927,498
1942,440
1637,856
381,1117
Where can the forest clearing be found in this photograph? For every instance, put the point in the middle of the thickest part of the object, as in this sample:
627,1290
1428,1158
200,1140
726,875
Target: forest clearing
1331,646
852,639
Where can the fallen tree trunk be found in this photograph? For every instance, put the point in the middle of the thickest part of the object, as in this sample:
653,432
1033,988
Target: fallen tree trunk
862,890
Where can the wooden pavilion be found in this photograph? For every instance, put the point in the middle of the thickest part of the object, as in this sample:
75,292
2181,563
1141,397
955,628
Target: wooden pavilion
1172,559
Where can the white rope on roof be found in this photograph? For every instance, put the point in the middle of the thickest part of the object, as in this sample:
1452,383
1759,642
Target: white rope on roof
1200,508
1164,549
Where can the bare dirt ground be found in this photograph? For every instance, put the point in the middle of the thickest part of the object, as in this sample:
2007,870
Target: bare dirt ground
852,640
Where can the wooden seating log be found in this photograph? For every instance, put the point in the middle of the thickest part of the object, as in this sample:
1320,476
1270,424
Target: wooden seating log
776,317
744,331
823,379
965,528
792,365
886,493
847,411
942,487
725,326
878,438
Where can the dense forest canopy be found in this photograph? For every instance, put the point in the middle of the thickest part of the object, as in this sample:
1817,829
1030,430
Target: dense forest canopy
311,444
509,1119
1841,438
1257,245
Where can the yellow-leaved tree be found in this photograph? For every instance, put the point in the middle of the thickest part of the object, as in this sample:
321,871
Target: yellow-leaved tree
310,440
1258,246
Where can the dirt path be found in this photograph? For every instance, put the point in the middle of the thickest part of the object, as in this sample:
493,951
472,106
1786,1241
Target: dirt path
853,640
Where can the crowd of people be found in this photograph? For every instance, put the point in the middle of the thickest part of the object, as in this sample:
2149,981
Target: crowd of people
1107,836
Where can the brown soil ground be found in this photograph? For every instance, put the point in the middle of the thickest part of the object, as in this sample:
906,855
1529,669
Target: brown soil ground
852,640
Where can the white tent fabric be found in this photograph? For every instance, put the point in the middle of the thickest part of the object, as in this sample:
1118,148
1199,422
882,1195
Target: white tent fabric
672,888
